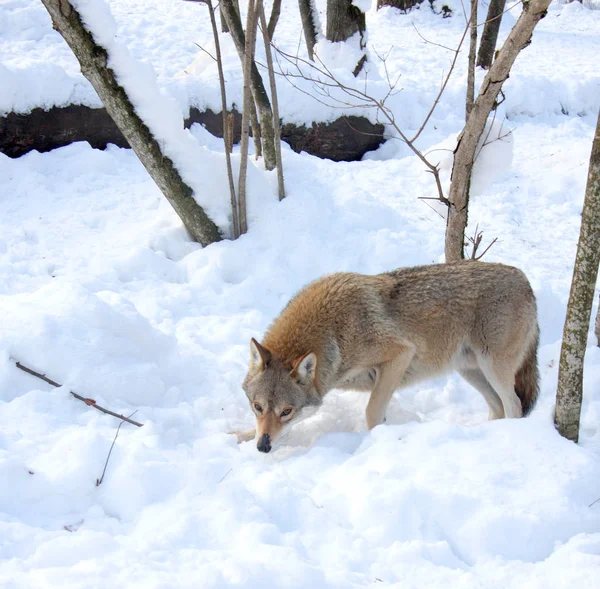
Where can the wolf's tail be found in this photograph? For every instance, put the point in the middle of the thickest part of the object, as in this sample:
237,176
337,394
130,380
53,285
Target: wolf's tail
527,379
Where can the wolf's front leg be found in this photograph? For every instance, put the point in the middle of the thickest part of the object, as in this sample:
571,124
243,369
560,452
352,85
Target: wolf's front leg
244,436
389,376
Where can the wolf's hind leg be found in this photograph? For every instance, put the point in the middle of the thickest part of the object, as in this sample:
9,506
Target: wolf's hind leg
502,378
477,380
389,377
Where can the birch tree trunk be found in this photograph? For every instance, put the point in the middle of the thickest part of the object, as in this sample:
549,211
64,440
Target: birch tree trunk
93,60
464,154
490,34
471,66
579,310
597,328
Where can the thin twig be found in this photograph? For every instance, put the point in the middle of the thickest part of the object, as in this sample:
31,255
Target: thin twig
379,135
225,476
429,42
325,80
86,400
205,51
593,502
424,198
476,241
99,481
486,249
446,80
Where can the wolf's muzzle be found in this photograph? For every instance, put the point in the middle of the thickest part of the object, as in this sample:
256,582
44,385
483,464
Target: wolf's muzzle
264,444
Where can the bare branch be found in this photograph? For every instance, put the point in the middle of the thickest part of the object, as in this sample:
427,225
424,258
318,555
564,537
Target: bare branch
445,83
476,241
99,481
202,48
86,400
326,79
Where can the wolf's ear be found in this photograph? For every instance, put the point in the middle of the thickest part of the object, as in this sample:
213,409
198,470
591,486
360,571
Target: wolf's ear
259,357
305,369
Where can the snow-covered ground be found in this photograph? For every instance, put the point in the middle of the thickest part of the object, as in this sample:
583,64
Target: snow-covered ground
101,289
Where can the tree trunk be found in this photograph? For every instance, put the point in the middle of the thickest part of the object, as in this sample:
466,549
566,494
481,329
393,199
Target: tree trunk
471,66
344,20
464,154
274,18
224,27
273,84
259,93
579,310
307,14
227,140
490,34
403,5
251,22
93,60
597,328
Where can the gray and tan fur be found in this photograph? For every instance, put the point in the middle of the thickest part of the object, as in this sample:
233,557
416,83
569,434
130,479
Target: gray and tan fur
383,332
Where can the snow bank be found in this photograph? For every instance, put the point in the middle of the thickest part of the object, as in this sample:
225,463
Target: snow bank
102,290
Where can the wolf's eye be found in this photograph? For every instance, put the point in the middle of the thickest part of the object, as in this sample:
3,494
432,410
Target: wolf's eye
258,407
286,412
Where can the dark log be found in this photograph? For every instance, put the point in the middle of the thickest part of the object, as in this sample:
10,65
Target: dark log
345,139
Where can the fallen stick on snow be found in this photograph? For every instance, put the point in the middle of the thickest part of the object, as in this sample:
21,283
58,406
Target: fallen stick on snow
99,481
86,400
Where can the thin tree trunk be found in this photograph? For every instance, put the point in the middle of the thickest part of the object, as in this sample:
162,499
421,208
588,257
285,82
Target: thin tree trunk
254,123
471,66
490,33
275,12
93,60
464,154
263,24
307,15
226,139
248,51
579,310
261,98
597,327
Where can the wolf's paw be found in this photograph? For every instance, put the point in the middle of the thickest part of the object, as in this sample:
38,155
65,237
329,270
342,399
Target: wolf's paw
244,436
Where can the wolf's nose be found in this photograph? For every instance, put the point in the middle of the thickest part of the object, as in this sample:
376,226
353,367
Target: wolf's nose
264,444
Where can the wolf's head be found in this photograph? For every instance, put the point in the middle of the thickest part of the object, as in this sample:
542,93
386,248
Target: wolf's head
279,396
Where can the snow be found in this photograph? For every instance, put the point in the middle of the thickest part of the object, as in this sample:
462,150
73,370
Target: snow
101,288
364,5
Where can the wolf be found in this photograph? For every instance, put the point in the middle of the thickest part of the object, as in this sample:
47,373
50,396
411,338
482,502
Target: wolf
379,333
